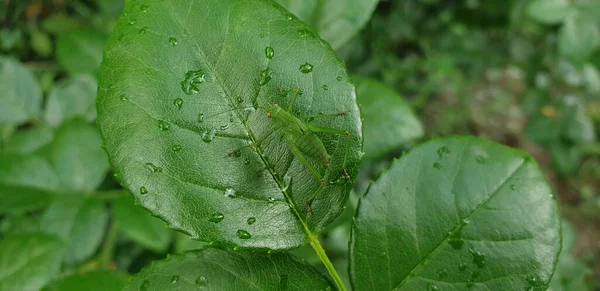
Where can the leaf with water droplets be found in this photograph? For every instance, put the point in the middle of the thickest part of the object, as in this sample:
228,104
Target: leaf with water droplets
215,269
227,161
90,281
461,221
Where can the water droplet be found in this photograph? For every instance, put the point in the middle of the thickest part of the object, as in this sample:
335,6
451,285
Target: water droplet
209,135
462,266
306,68
173,41
287,181
216,217
200,117
552,196
174,279
247,162
243,234
265,76
437,165
251,220
132,22
123,97
480,159
191,82
304,32
224,127
272,200
163,125
443,152
339,78
143,30
240,100
201,281
432,287
513,187
442,273
289,17
466,221
478,258
229,192
143,190
144,8
178,102
262,35
269,52
153,168
325,87
145,285
176,148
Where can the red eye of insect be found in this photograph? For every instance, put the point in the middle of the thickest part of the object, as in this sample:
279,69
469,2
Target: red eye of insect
268,114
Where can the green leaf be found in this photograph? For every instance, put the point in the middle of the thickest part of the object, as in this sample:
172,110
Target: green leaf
216,269
578,38
18,224
28,261
91,281
79,221
168,85
136,223
21,94
565,158
73,97
184,243
80,51
456,213
29,140
336,21
389,122
570,273
549,11
76,155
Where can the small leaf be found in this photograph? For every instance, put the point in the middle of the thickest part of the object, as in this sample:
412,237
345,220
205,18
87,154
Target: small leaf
578,38
21,93
29,140
336,21
73,97
549,11
78,221
389,122
28,261
484,217
80,51
216,269
91,281
136,223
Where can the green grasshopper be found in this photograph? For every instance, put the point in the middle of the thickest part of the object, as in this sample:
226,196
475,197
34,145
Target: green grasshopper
301,139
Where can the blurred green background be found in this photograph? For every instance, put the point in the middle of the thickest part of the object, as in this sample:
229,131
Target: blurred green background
523,73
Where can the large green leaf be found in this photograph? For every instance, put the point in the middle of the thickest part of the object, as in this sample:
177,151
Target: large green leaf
137,223
91,281
456,213
181,109
216,269
388,121
549,11
70,98
78,221
21,95
578,38
28,261
80,51
336,21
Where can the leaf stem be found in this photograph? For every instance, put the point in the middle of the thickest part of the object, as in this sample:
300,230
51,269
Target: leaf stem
316,245
106,255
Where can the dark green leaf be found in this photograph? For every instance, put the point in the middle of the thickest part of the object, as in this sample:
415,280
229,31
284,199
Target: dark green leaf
77,157
456,213
565,158
73,97
78,221
28,261
181,108
29,140
80,51
184,243
389,122
578,38
91,281
216,269
21,94
549,11
336,21
18,224
137,223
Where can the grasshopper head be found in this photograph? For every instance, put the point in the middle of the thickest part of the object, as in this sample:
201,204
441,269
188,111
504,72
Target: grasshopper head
273,110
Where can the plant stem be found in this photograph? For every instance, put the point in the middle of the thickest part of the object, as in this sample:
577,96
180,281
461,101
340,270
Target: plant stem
108,249
316,245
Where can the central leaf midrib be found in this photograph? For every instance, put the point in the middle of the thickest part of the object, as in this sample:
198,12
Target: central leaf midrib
477,208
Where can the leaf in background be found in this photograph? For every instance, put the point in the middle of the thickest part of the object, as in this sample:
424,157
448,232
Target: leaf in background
80,51
28,261
76,155
110,8
74,97
578,37
336,21
18,224
41,43
456,213
216,269
181,102
388,121
570,273
184,243
21,94
549,11
78,221
565,158
28,140
137,224
91,281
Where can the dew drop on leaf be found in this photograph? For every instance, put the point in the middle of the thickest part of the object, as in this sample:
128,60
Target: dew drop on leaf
143,30
462,266
432,287
192,81
247,162
513,187
289,17
153,168
201,281
132,22
178,103
243,234
339,79
269,52
442,273
478,258
265,76
251,220
176,148
208,135
480,159
229,192
437,165
200,117
325,87
304,32
443,152
224,127
306,68
173,41
216,217
143,190
174,279
123,97
163,125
